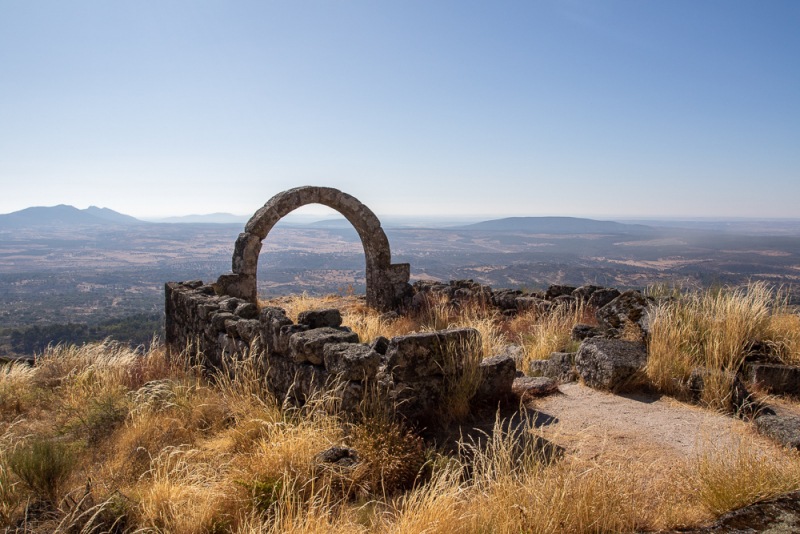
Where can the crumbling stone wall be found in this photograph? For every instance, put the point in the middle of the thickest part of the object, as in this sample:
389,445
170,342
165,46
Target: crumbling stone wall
318,355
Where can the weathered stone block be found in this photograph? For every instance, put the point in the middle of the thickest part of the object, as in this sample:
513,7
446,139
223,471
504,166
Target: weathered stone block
219,319
609,363
776,379
351,361
329,317
784,429
601,297
584,292
630,307
534,303
425,354
246,310
497,374
562,366
528,387
308,346
584,331
380,345
516,352
556,290
248,329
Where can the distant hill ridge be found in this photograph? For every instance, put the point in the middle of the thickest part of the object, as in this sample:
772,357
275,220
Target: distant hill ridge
558,225
64,215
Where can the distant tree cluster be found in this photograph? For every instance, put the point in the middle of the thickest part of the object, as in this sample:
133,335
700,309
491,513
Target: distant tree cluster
138,329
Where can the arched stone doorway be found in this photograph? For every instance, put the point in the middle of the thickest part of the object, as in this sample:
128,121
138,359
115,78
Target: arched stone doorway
387,283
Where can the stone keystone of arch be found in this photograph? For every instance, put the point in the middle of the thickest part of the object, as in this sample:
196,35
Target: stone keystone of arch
387,282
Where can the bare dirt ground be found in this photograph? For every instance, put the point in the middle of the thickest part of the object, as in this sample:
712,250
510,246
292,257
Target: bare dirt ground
587,422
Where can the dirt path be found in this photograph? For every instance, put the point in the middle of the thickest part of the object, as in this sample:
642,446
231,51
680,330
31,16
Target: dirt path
587,421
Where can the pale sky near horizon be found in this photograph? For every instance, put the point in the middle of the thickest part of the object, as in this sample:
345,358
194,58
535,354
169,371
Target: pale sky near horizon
582,108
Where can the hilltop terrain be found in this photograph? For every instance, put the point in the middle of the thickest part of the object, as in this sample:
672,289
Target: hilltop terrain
139,440
62,265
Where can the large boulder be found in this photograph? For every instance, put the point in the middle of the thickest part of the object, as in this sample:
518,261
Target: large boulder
308,346
415,356
351,361
609,363
629,307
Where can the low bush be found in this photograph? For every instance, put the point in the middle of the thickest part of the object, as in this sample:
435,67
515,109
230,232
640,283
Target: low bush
44,466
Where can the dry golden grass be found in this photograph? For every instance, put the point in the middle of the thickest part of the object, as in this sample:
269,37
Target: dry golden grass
192,456
712,329
162,446
733,477
541,334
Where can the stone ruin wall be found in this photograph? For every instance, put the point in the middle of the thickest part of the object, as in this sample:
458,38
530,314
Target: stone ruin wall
317,355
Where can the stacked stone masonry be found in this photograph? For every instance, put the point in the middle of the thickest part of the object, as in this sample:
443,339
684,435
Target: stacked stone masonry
318,356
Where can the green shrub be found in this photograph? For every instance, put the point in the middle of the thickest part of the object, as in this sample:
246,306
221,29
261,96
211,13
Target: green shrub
44,466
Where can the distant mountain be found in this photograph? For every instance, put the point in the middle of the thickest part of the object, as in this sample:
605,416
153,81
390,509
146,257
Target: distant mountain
111,215
331,223
63,215
558,225
212,218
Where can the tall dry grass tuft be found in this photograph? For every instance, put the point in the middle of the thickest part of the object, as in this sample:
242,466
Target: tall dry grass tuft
181,493
462,378
541,334
740,474
711,329
296,304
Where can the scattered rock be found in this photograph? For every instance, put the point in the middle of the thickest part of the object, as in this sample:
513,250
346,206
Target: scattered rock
775,379
609,363
557,290
562,367
327,317
630,307
584,331
380,344
601,297
784,429
529,387
497,375
780,515
341,456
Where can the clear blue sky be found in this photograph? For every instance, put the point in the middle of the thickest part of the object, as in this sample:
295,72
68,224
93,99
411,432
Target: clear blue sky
612,108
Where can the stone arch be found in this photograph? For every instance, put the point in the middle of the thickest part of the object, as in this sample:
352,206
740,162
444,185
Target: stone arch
387,283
